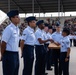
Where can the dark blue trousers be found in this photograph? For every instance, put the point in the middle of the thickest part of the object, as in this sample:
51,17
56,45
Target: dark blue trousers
74,41
28,58
71,42
10,63
40,60
57,65
64,65
49,57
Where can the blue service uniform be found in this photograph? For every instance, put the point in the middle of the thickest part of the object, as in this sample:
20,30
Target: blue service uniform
40,53
46,47
71,39
49,53
65,44
10,59
74,37
0,40
56,53
28,50
74,40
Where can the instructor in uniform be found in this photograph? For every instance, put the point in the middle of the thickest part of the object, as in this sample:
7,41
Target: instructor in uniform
40,49
57,36
27,45
9,45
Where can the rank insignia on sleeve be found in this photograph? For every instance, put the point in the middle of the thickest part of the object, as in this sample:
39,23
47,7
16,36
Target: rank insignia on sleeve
24,34
67,42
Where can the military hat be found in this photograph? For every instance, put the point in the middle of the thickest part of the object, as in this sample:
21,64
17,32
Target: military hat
40,22
12,13
50,27
57,25
46,24
28,19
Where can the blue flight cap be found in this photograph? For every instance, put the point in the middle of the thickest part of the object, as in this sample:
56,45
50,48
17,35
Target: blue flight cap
28,19
12,13
50,27
40,22
54,30
57,25
46,24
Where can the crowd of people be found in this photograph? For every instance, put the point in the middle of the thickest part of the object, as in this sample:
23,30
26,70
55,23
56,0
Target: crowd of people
35,39
71,24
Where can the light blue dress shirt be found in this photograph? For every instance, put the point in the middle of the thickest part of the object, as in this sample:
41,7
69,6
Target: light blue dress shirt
29,36
49,36
11,37
65,44
39,34
57,36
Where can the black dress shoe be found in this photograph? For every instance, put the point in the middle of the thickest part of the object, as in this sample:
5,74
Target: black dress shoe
50,69
45,74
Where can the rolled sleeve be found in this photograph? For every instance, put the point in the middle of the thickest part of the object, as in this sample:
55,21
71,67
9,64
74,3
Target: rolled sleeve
74,37
6,35
68,44
24,35
38,35
53,37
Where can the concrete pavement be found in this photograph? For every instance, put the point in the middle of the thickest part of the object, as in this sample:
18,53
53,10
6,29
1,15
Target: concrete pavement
72,64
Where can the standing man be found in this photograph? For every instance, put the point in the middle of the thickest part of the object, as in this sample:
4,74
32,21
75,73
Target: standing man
27,45
56,36
40,49
9,45
45,30
71,38
49,52
47,36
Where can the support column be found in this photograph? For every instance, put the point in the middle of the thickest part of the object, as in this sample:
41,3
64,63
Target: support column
62,9
8,5
58,8
33,7
39,13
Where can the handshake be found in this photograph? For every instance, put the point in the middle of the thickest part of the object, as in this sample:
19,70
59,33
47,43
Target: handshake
51,40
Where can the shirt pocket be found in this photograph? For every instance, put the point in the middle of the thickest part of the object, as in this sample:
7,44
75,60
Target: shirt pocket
15,37
31,36
62,43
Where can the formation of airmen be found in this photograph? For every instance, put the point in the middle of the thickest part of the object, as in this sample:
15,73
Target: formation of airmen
37,40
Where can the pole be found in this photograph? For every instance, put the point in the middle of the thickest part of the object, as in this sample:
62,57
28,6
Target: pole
39,12
8,5
33,7
58,8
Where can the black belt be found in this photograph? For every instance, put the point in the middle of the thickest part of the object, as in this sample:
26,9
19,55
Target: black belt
46,43
10,52
63,52
29,45
39,45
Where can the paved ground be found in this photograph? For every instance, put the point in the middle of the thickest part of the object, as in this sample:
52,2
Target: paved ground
72,64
